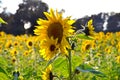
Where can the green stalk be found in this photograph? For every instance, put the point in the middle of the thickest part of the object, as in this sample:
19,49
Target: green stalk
70,65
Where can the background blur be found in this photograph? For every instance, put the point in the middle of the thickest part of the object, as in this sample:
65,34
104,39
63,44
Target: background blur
21,15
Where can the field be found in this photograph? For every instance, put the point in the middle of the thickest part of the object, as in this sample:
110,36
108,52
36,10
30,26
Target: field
58,52
91,59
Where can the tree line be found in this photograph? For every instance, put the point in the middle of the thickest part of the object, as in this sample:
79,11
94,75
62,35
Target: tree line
30,10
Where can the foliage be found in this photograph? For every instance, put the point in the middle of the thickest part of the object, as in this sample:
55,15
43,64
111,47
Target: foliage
95,63
2,21
28,11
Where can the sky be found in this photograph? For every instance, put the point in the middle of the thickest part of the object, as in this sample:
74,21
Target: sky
12,5
74,8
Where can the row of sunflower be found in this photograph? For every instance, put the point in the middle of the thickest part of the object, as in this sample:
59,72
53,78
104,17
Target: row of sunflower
18,53
43,57
103,52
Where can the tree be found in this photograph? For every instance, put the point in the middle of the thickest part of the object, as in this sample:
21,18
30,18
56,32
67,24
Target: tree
29,11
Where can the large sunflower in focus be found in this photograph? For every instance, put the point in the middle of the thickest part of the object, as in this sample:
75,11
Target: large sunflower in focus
49,48
57,27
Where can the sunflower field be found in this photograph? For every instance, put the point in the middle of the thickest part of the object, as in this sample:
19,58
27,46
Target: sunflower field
58,52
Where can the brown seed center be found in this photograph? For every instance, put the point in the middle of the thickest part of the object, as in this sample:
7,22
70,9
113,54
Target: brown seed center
88,46
30,43
52,47
55,30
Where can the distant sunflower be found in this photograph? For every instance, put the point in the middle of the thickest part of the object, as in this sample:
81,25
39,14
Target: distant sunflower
89,30
118,59
57,27
49,48
13,52
86,45
47,75
8,44
27,52
108,49
16,43
29,43
0,47
2,34
118,46
13,59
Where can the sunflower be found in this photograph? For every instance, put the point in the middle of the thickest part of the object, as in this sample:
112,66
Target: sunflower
0,47
47,75
13,59
57,27
118,46
13,52
8,44
108,49
49,48
89,30
2,34
118,59
87,45
29,43
26,53
16,43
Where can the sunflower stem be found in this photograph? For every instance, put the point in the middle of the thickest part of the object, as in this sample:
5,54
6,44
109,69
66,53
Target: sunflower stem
70,65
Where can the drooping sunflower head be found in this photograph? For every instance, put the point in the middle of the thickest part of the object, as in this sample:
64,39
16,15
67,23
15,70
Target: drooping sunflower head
47,75
49,48
55,26
89,30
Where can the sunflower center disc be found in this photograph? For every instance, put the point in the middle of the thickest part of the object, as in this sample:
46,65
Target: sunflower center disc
87,47
55,30
30,43
52,47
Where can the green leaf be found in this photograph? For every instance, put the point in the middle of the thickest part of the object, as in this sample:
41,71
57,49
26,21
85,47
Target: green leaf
94,78
76,60
3,76
51,61
60,66
87,68
83,36
28,71
3,62
3,65
2,21
2,70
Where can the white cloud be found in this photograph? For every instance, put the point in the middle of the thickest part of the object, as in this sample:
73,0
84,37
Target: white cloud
12,5
74,8
80,8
